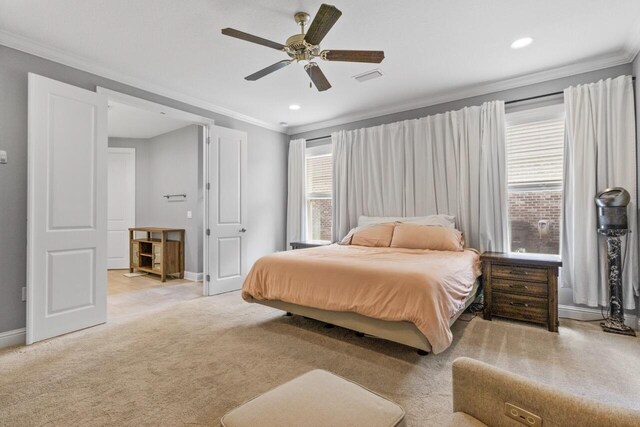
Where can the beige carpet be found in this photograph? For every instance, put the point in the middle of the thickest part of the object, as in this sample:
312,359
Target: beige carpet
189,364
133,296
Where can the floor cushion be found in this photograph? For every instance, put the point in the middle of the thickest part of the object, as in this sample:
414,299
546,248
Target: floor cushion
460,419
317,398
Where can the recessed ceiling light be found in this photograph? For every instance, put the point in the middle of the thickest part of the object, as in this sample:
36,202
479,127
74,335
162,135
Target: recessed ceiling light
294,107
284,124
520,43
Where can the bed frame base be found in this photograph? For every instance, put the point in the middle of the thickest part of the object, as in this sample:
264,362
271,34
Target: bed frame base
397,331
401,332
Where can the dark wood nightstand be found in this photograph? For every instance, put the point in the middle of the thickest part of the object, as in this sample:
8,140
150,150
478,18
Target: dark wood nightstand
522,287
309,244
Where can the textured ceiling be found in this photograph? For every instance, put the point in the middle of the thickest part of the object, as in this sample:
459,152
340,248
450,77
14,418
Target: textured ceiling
432,47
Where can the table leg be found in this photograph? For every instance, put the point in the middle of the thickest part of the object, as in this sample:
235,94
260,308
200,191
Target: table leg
182,254
164,253
131,233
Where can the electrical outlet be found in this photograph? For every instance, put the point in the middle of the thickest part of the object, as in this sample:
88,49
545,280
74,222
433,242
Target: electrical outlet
3,157
24,293
522,416
189,214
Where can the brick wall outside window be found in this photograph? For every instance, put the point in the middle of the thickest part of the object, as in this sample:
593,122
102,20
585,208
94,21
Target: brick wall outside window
320,216
526,209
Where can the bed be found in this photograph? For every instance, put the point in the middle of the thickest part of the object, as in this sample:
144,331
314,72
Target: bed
409,296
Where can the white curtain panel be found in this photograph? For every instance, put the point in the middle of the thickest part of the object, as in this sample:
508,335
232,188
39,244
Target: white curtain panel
296,194
368,175
600,152
451,163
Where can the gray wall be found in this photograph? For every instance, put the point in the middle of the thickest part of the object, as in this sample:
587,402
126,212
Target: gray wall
159,172
565,294
506,95
267,172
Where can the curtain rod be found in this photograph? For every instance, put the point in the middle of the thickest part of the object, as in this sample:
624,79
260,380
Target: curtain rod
318,138
530,98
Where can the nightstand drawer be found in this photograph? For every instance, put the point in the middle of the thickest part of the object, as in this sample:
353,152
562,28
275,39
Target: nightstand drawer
519,287
516,272
520,307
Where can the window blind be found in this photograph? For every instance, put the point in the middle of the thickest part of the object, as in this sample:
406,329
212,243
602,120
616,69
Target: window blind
535,153
319,177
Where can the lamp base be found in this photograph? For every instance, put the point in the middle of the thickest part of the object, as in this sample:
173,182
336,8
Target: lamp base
617,327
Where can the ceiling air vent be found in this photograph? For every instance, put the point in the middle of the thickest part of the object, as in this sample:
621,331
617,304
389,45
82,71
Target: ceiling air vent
369,75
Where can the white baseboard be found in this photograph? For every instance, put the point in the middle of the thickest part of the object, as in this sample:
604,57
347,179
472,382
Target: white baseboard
14,337
194,277
583,313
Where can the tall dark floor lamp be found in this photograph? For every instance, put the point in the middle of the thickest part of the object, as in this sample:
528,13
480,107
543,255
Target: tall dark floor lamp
612,223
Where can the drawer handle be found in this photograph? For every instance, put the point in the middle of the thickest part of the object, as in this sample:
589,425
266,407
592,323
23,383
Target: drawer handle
519,273
519,304
515,286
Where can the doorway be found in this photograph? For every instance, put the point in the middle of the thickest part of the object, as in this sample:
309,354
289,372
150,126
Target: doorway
67,234
154,183
121,205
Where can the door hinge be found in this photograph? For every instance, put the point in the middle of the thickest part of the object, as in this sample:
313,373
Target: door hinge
208,140
208,278
208,231
208,186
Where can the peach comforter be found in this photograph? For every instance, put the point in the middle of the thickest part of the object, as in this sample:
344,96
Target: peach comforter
420,286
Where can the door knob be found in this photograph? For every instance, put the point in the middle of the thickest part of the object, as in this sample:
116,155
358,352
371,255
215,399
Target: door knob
243,230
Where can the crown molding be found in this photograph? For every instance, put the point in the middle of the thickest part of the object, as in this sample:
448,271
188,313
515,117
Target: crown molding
632,45
26,45
593,64
631,49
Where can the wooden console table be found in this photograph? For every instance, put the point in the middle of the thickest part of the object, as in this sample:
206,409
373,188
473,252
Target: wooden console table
155,253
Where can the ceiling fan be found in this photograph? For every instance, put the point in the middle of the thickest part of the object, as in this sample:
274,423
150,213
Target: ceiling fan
305,47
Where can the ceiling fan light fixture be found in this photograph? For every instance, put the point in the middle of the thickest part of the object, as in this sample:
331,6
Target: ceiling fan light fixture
522,42
304,47
294,107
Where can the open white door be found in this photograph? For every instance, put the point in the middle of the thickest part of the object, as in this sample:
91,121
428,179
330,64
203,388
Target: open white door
121,205
67,209
227,178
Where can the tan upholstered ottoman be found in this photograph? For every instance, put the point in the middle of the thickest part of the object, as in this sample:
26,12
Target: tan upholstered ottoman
317,398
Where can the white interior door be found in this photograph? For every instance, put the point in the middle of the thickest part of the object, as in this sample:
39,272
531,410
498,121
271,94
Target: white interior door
67,209
227,173
121,205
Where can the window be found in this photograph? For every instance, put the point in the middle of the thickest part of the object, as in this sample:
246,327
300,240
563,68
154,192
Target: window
319,189
535,147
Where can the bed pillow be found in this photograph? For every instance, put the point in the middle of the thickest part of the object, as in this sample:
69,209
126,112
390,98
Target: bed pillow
414,236
377,235
436,220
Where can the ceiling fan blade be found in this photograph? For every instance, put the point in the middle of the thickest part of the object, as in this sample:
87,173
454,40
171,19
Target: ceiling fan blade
270,69
325,18
375,56
318,78
251,38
